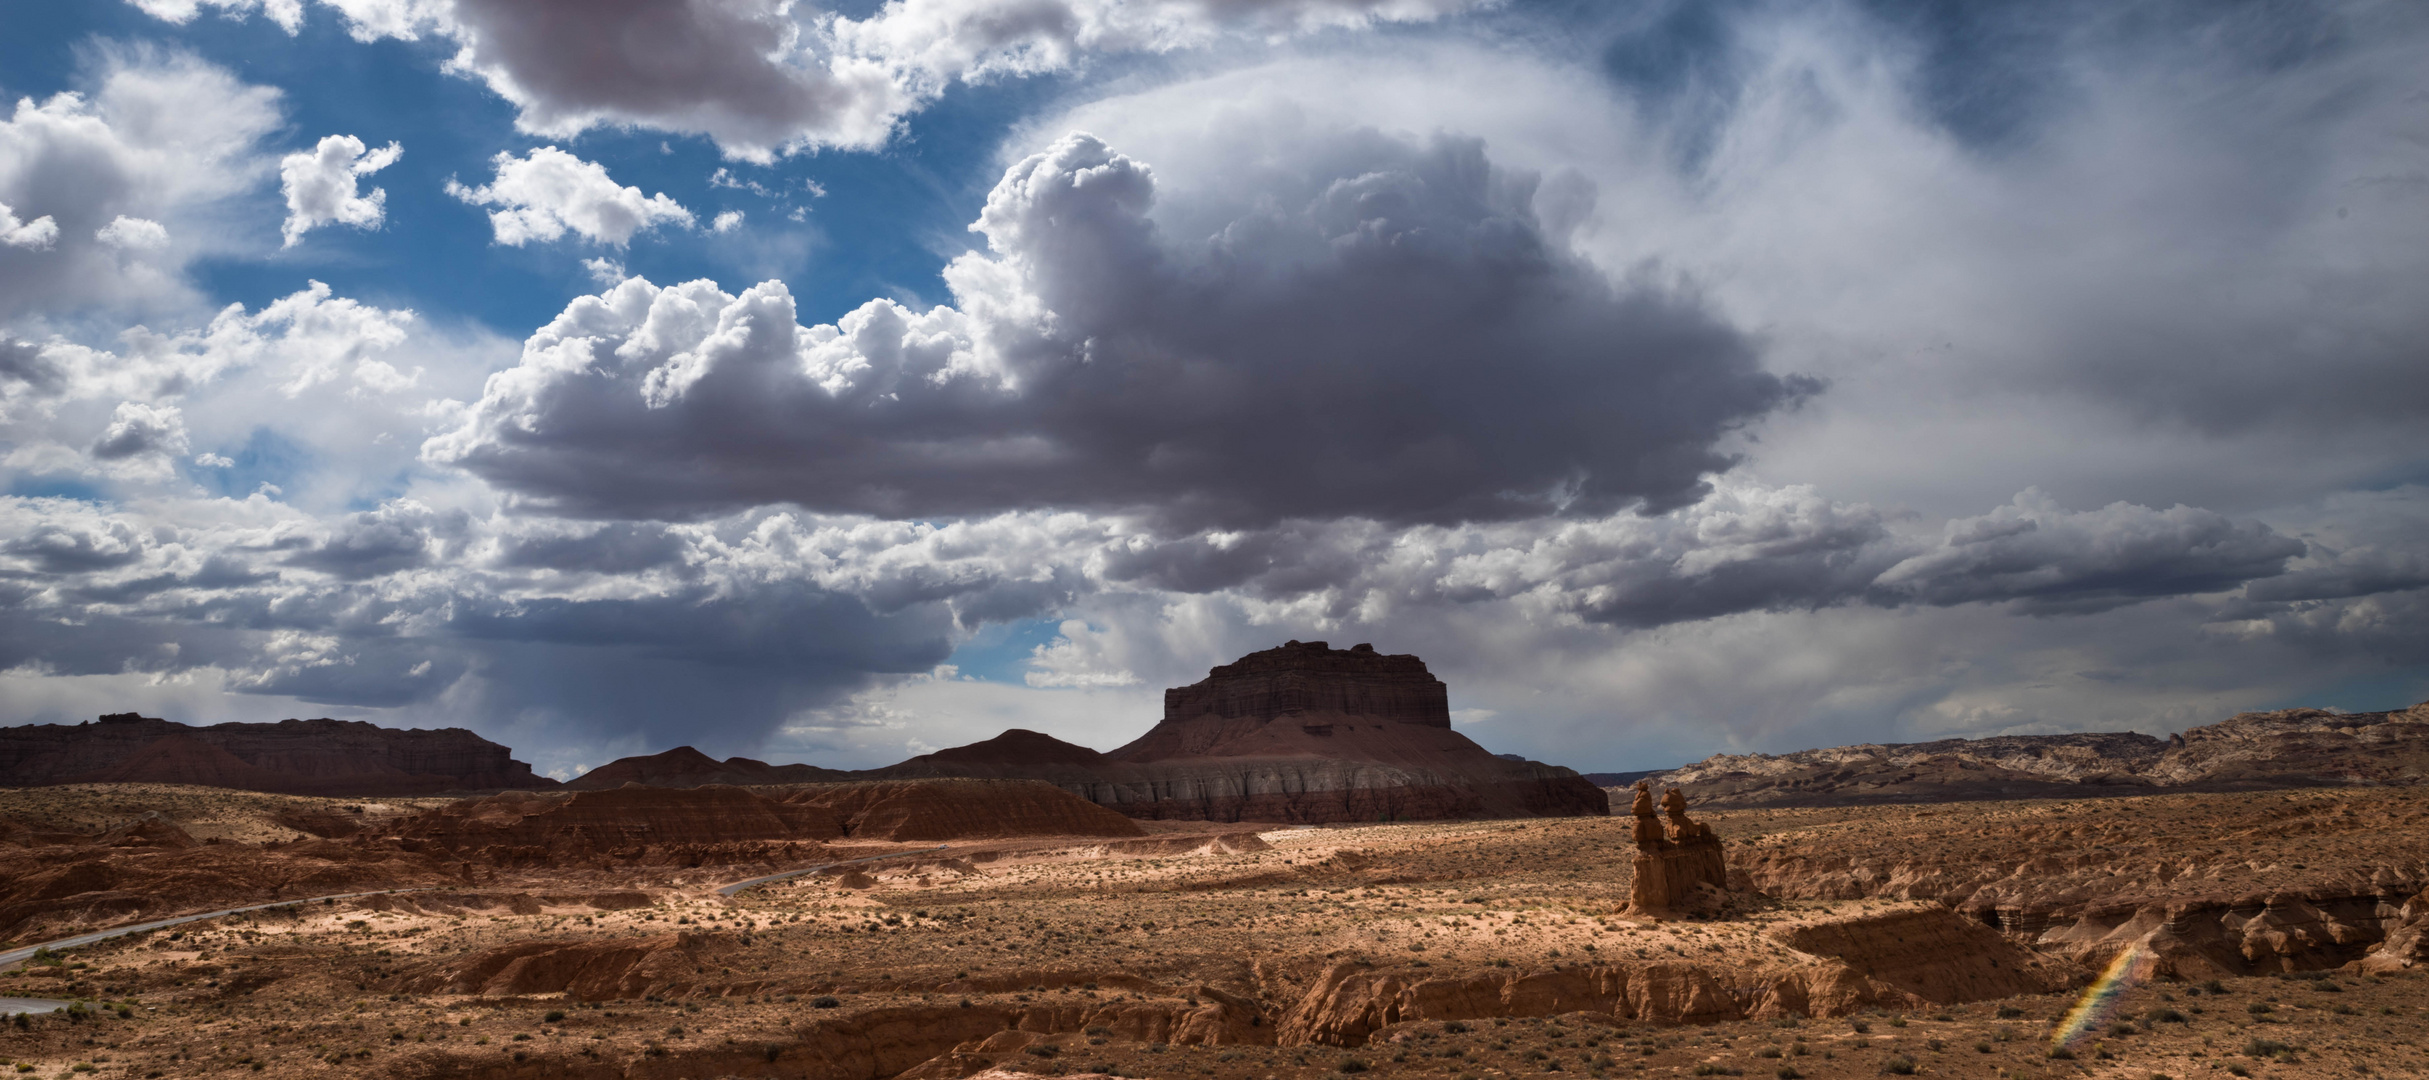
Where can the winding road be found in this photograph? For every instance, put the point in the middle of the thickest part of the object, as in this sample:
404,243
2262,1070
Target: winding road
736,888
14,957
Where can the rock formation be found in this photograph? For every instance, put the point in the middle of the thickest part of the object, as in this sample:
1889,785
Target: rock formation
961,809
629,824
1681,871
295,757
1302,733
2291,748
684,767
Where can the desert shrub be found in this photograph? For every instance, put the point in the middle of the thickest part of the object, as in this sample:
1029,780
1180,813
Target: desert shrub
1351,1065
1044,1050
1859,1026
552,1016
2060,1053
828,1001
2261,1048
1900,1065
2164,1016
1788,1072
2213,986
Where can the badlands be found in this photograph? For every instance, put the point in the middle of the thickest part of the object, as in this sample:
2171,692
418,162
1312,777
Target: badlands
983,927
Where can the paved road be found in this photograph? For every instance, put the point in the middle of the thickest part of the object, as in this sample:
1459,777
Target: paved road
13,957
737,887
16,956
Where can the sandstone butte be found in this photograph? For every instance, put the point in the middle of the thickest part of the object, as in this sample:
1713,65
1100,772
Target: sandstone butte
1303,733
2288,748
294,757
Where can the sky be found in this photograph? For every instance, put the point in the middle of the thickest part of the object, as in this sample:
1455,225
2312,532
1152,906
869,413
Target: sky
840,383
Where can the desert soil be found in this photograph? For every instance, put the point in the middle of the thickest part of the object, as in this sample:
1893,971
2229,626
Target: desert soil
1184,955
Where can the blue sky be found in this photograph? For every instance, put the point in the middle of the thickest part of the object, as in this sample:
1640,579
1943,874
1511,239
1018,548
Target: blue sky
838,383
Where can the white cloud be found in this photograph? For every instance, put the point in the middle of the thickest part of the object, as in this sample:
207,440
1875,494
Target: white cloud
1322,353
320,185
38,233
763,77
288,14
133,234
161,141
548,192
726,222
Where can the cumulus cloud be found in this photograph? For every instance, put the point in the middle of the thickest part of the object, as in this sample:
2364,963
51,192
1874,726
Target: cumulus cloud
38,233
766,76
288,14
133,234
320,185
1389,334
161,138
548,192
138,430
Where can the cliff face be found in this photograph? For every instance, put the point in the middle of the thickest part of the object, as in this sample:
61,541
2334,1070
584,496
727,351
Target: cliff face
295,757
2290,748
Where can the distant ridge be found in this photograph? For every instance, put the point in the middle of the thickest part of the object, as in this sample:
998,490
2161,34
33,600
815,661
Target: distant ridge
2288,748
291,757
1301,733
684,767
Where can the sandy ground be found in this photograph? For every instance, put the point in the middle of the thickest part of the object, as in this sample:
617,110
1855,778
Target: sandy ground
324,989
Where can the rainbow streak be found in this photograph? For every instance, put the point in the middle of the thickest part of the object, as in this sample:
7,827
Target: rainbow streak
2100,999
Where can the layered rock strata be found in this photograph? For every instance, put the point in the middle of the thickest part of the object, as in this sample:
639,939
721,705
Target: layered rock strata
1679,870
294,757
2290,748
1303,733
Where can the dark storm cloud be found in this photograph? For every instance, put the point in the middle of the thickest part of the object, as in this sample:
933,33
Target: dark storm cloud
398,536
1388,334
2052,560
1743,550
715,66
71,548
618,548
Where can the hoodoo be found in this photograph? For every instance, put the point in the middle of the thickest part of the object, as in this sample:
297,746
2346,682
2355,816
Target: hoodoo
1681,871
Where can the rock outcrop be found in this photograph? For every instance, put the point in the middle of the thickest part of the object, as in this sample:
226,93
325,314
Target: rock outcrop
294,757
684,767
632,824
1303,733
2291,748
1929,952
1679,870
961,809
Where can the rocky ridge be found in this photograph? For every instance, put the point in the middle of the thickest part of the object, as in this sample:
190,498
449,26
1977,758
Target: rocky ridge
294,757
2289,748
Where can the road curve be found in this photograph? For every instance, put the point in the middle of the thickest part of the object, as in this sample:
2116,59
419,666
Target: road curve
737,887
17,956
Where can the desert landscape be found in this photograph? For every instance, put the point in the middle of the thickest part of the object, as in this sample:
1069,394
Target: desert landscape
1023,906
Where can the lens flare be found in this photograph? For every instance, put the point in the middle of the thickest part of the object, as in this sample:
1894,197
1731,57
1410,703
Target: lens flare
2100,999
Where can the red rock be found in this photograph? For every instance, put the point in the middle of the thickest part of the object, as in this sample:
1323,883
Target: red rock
294,757
961,809
1302,733
628,824
684,767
